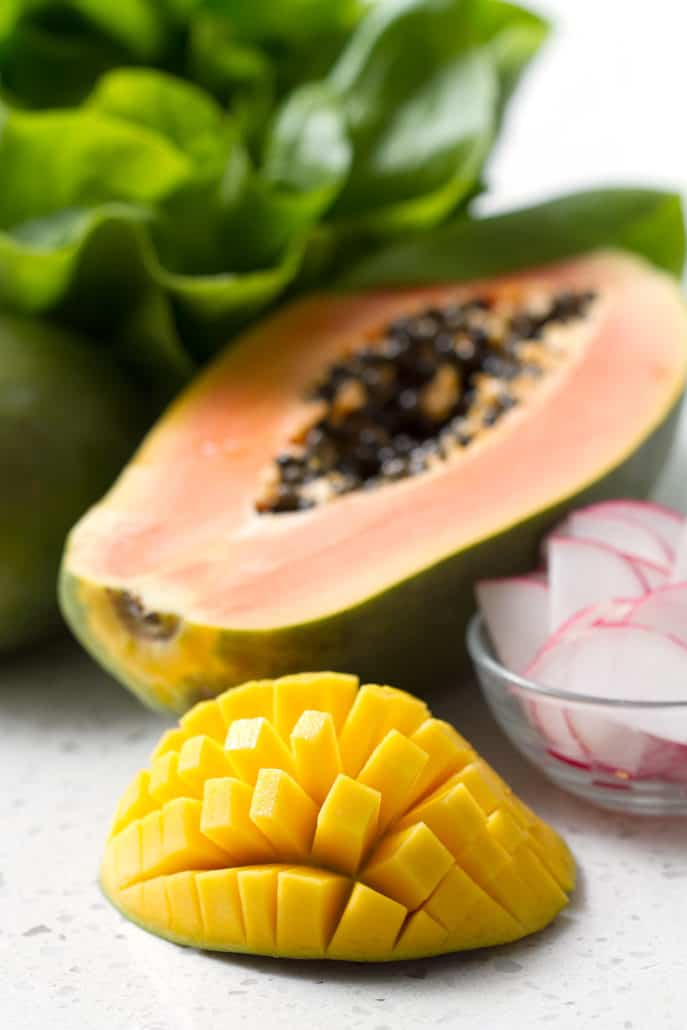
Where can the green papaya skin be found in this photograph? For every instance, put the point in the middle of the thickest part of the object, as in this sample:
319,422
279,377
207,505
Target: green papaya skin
68,422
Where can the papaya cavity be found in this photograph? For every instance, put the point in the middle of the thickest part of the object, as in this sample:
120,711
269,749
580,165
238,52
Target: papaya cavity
148,625
427,385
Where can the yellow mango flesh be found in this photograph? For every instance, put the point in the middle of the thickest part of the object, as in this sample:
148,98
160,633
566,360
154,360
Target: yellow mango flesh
226,821
285,814
309,818
316,753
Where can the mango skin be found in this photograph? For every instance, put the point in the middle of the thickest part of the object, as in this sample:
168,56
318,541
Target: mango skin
376,639
68,422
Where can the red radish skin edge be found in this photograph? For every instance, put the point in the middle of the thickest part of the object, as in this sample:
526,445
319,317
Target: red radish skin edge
634,511
592,545
563,531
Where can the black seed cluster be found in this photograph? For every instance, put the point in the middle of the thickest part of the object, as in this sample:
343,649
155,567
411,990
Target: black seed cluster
401,401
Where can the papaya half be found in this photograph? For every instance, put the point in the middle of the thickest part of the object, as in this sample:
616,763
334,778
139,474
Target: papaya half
68,422
326,493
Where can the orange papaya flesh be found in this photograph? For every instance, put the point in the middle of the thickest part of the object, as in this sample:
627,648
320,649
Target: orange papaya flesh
180,586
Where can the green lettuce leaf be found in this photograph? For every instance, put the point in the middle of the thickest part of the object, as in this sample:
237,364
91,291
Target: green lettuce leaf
647,222
224,154
422,84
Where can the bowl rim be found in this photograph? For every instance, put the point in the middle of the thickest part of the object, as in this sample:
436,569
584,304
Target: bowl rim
482,655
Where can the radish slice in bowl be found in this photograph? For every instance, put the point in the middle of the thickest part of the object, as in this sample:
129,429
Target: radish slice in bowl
618,662
629,538
517,615
666,524
583,573
664,610
679,568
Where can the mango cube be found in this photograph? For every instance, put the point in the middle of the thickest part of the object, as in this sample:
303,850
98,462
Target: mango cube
165,783
472,917
315,750
408,865
346,825
254,744
327,692
309,903
447,753
393,769
452,814
185,920
284,813
258,894
135,802
250,701
421,935
375,711
183,843
220,907
204,720
368,927
225,820
200,759
171,740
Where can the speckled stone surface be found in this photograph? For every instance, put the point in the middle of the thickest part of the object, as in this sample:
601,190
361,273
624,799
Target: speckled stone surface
71,738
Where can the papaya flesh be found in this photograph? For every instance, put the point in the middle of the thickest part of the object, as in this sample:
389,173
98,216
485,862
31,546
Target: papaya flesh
309,818
68,422
182,586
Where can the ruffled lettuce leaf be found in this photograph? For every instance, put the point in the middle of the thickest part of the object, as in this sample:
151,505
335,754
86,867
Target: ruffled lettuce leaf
263,148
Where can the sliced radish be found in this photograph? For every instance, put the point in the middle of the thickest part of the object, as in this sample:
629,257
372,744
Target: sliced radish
662,759
516,611
664,610
629,538
612,611
654,576
620,661
583,574
665,523
551,716
608,744
551,719
679,570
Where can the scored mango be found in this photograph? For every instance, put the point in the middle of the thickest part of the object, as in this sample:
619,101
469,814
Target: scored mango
306,817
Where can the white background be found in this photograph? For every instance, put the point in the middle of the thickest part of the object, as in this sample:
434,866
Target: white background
605,104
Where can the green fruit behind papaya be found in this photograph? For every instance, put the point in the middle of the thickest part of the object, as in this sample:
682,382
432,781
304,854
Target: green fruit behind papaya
216,559
68,422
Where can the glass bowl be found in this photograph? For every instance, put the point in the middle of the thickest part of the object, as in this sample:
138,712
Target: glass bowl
597,748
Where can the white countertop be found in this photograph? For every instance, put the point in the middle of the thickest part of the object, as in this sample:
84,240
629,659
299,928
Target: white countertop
602,105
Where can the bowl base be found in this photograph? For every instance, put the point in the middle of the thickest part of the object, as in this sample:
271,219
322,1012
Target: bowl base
635,797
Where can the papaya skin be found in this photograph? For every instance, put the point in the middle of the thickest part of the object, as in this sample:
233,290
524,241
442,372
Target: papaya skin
68,421
375,639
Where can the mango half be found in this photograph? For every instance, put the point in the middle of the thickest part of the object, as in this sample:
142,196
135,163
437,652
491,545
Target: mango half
308,817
